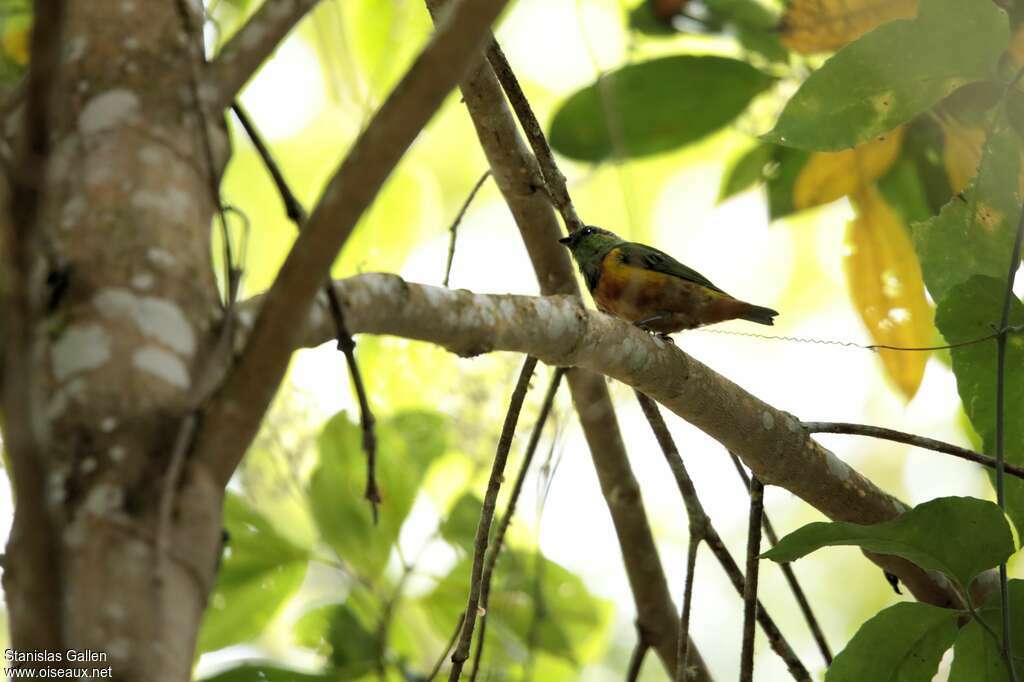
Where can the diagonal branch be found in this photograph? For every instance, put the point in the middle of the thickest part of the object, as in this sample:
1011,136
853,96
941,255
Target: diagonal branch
251,45
560,332
235,413
518,177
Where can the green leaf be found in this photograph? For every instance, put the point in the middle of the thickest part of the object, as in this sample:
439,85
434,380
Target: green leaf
260,570
746,171
782,174
571,625
977,656
905,642
904,191
407,444
642,19
337,632
959,536
265,672
654,106
974,232
970,311
890,75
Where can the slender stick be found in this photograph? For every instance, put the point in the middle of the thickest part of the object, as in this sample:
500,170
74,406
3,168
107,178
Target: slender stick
451,642
1004,593
636,659
700,520
790,575
553,178
911,439
458,219
506,519
750,587
682,660
297,214
508,430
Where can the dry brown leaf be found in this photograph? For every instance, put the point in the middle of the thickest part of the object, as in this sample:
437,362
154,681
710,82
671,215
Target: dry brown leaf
810,26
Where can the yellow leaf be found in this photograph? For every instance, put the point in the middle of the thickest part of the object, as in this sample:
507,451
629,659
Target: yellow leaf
15,44
829,175
961,151
885,284
810,26
1016,48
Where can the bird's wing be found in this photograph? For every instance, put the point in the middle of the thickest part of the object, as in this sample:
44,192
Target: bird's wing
649,258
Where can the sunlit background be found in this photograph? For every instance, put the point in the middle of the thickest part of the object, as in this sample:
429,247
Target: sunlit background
312,98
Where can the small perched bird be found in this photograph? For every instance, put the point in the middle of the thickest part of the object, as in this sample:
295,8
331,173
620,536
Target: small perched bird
650,288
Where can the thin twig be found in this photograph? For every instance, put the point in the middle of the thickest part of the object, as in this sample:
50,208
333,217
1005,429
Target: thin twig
789,574
231,420
454,229
345,343
1004,321
506,519
636,659
682,672
444,654
911,439
750,587
483,529
699,520
553,178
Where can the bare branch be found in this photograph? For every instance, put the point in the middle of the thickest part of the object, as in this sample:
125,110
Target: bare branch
789,574
295,211
251,45
561,333
234,415
483,529
910,439
518,177
636,659
701,528
750,605
454,229
683,664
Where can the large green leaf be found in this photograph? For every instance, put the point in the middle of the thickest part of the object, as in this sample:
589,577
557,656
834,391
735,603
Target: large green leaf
970,311
893,73
959,536
407,444
974,232
526,596
977,655
259,572
654,106
903,643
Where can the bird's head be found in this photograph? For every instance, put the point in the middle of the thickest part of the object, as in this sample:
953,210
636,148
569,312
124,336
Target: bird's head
590,243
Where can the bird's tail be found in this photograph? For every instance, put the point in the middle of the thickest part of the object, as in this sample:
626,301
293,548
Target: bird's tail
758,314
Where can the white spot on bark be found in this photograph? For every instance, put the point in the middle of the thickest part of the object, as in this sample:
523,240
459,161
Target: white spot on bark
836,466
171,202
88,465
161,364
438,296
74,536
74,211
75,48
119,649
108,110
103,498
131,43
767,420
143,281
108,424
55,489
79,349
161,257
157,318
117,453
114,612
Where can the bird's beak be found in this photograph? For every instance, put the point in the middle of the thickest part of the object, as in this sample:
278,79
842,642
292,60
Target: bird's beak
565,240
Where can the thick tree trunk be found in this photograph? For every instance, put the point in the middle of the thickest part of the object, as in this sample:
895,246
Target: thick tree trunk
123,219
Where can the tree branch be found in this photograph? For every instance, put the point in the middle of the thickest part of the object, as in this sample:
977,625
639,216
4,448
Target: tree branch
561,333
251,45
483,529
518,177
235,413
910,439
750,603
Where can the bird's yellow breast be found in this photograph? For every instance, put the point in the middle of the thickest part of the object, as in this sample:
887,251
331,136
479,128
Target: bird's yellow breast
630,292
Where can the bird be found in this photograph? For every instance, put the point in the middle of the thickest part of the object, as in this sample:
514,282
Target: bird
640,284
